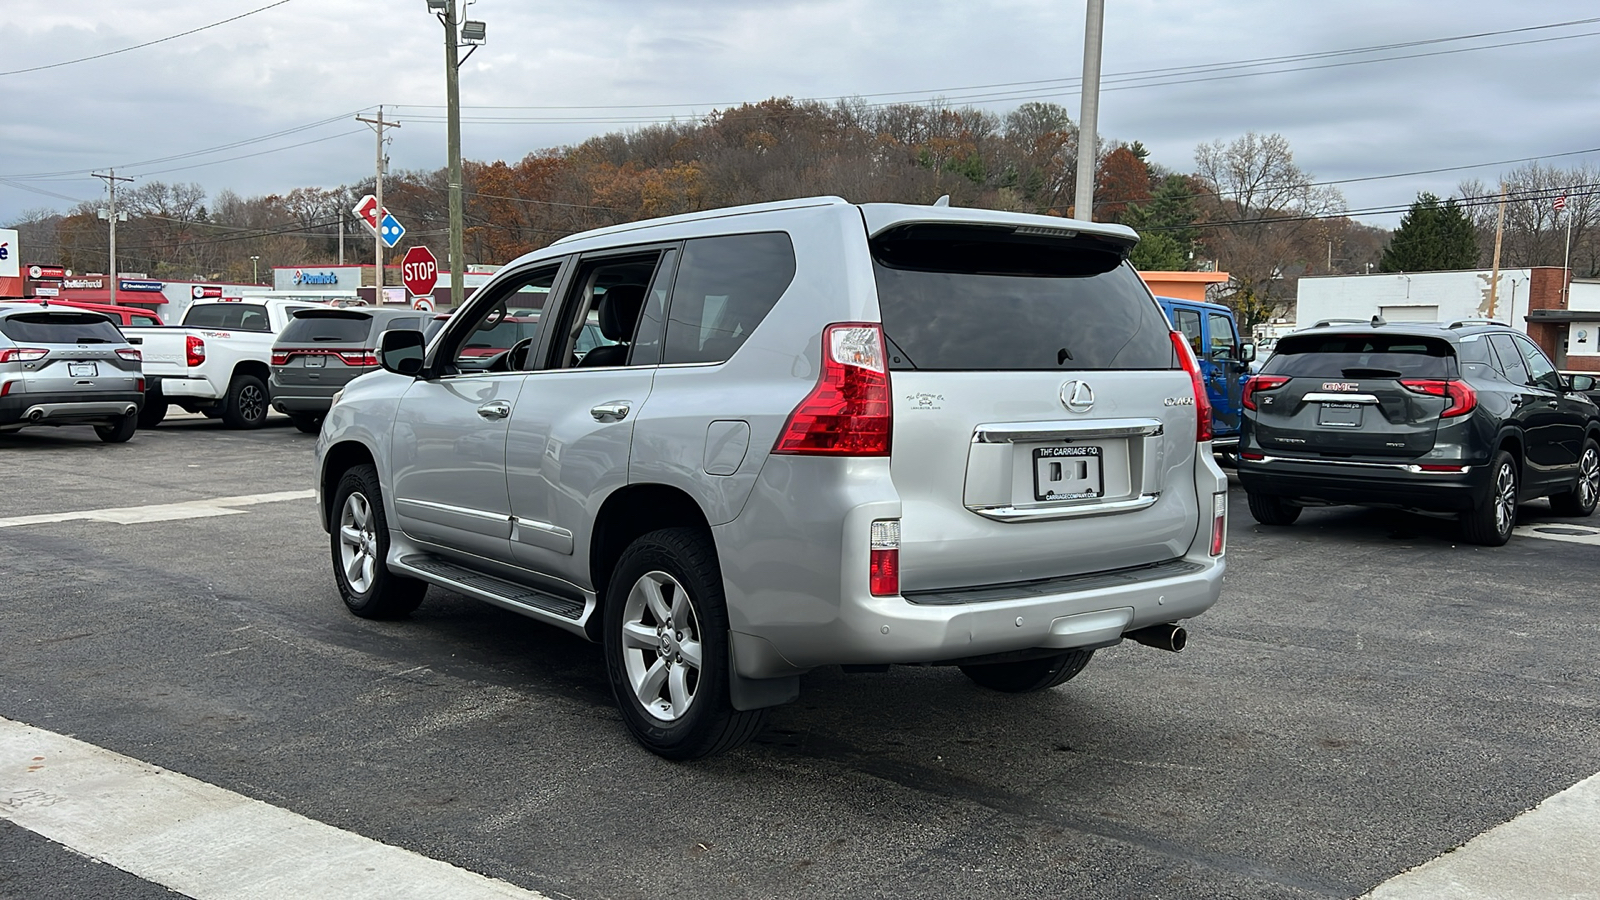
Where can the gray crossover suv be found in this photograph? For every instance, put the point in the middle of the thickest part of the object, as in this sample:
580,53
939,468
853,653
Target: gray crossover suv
324,348
65,366
813,433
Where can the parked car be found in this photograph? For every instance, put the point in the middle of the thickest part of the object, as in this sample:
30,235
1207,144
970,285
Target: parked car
63,366
321,350
820,434
121,315
1225,359
217,362
1469,418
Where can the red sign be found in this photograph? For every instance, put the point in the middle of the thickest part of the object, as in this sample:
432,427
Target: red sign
205,291
48,273
367,210
419,270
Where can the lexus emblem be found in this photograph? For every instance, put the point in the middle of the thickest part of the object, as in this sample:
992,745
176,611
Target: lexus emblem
1077,396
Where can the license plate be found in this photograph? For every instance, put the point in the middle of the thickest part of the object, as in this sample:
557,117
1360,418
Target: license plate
83,370
1067,473
315,362
1340,415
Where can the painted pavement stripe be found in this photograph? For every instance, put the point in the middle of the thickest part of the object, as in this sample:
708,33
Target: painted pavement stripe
160,512
1551,852
202,840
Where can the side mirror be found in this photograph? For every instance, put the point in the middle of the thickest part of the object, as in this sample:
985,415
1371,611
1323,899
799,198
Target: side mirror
1247,352
401,351
1582,383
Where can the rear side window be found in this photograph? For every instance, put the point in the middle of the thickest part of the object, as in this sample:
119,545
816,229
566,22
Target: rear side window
232,316
1361,356
327,328
985,299
725,287
146,321
60,328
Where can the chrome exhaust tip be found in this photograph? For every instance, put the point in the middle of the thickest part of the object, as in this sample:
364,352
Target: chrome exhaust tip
1168,636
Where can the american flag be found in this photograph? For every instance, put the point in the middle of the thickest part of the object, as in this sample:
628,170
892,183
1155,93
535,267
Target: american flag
1561,202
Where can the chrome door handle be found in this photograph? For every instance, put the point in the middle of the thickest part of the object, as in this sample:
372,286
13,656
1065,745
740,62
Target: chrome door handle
499,409
610,412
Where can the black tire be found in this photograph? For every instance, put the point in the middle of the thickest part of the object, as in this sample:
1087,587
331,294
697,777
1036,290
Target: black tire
377,593
1585,493
120,432
246,404
153,411
1490,522
1029,675
682,564
1270,509
308,423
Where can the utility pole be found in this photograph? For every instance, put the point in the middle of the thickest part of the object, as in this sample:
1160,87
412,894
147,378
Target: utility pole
1088,118
378,125
341,235
111,216
452,84
1499,232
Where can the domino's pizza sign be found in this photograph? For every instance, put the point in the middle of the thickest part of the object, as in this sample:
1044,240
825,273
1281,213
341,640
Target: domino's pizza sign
9,266
304,277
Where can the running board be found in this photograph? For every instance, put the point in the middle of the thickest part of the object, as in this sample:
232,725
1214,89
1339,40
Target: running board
565,612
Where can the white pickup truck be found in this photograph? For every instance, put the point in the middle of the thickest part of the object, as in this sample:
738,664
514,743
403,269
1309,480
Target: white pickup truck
216,362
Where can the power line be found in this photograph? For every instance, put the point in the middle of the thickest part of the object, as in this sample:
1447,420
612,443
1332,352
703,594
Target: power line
170,37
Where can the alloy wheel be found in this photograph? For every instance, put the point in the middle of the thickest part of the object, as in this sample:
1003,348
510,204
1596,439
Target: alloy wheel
1505,501
358,543
661,647
1589,477
252,403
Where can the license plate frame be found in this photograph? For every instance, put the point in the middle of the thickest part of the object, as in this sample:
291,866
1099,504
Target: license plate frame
1339,415
1078,468
315,360
83,369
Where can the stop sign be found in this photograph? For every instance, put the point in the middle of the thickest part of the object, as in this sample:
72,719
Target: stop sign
419,270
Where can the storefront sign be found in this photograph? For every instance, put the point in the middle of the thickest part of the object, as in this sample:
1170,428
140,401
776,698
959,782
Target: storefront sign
205,291
9,265
303,277
84,284
46,292
152,287
48,273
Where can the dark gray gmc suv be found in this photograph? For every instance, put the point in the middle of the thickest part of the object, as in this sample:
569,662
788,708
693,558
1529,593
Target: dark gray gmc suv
1468,417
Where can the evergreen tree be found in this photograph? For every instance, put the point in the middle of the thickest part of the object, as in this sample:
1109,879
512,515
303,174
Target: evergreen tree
1166,227
1432,236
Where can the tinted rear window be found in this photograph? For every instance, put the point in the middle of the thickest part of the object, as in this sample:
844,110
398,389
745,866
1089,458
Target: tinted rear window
233,316
973,298
322,328
1361,356
60,328
725,287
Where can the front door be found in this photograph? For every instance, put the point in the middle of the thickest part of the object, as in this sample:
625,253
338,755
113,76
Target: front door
1558,419
1223,372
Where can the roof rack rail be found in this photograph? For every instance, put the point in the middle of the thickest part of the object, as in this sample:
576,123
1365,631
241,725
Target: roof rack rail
1324,323
1475,321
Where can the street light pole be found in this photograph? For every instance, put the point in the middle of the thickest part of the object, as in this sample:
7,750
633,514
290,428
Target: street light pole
456,35
255,277
111,217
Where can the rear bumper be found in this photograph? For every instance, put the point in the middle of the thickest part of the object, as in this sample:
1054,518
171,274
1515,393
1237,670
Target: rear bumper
198,388
68,408
1365,484
298,398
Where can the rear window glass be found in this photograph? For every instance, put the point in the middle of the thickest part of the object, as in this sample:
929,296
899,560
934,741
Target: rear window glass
60,328
342,328
1361,356
234,316
983,299
725,287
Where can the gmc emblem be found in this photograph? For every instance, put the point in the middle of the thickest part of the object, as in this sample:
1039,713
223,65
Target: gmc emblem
1340,386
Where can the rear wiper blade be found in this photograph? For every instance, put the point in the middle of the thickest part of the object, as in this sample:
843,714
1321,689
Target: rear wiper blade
1358,372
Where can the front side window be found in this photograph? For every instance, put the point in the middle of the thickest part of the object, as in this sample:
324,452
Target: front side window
1540,371
1221,336
725,287
510,322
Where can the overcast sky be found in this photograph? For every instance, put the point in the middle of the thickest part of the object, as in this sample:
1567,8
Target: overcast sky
322,61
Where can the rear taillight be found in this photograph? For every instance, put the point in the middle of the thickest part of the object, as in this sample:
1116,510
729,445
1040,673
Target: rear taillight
5,388
1202,403
130,354
139,385
1257,384
22,354
357,357
1219,523
280,357
884,567
194,351
848,413
1463,399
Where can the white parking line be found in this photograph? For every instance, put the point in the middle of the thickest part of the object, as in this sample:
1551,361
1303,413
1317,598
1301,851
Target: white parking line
160,512
204,841
1551,851
1560,531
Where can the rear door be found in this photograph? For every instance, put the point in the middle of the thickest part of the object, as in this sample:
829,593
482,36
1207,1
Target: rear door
1042,424
1344,395
81,353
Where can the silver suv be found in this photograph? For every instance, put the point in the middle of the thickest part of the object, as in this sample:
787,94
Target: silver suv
65,366
816,433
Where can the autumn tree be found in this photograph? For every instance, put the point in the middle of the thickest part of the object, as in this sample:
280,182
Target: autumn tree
1123,178
1432,236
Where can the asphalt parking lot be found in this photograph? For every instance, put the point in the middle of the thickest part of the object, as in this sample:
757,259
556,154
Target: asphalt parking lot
1369,694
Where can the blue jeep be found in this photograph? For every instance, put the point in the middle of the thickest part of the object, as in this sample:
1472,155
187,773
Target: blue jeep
1225,360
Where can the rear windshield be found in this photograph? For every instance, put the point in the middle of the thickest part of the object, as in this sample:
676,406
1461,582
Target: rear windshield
1361,356
233,316
982,299
60,328
327,328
